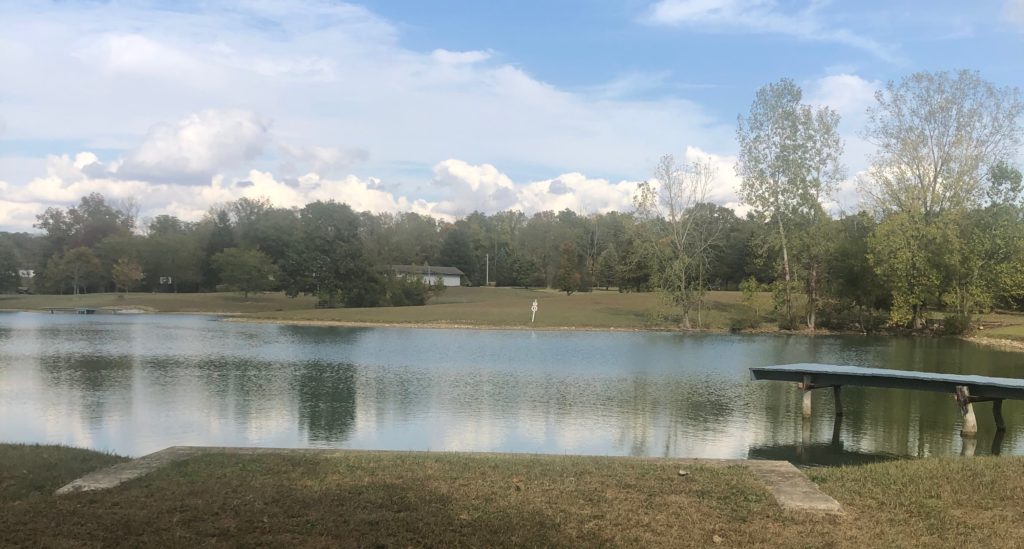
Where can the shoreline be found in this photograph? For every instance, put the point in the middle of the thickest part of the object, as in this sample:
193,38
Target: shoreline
229,316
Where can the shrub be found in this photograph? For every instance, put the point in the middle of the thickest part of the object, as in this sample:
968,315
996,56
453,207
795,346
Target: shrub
956,324
748,321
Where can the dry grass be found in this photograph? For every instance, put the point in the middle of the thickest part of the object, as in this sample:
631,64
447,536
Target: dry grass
224,302
508,307
29,471
382,499
485,307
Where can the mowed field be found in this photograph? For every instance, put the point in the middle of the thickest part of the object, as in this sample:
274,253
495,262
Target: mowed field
509,307
475,307
417,499
482,307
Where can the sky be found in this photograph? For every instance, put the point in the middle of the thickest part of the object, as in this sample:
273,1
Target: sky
443,107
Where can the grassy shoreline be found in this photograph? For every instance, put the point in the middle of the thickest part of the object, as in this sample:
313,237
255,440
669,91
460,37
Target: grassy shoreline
484,308
495,500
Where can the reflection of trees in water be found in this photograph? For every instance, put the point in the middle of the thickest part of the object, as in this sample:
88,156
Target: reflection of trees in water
326,395
95,382
245,389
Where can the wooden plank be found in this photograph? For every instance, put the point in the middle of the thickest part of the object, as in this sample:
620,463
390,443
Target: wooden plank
829,374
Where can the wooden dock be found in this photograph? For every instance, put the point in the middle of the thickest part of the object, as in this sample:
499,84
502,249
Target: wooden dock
72,310
967,389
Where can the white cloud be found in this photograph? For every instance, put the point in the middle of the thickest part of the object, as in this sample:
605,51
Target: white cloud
179,108
459,57
327,74
197,147
761,16
319,159
1013,10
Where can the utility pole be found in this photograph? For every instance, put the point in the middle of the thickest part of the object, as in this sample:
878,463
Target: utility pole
487,269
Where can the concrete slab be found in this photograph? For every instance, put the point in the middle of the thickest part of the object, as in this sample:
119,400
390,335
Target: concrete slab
790,487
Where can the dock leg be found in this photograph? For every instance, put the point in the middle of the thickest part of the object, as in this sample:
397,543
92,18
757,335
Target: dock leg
837,431
997,412
970,446
807,396
963,398
837,397
997,443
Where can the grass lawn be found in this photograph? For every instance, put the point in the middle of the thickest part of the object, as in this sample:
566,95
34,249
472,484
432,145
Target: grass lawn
483,307
499,307
31,471
1011,332
223,302
510,307
383,499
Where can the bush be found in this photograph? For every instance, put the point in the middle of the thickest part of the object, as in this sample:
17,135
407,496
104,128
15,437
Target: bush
847,317
405,291
748,321
956,324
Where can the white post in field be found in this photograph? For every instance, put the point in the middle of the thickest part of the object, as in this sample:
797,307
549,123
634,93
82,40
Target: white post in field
534,309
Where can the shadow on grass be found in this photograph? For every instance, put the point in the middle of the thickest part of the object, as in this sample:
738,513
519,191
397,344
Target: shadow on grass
235,501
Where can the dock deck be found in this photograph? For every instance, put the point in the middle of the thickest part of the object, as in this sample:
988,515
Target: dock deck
967,389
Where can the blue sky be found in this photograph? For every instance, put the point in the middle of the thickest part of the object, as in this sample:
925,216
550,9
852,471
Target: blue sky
437,107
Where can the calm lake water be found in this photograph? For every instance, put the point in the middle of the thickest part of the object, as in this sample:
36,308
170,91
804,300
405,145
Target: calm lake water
134,384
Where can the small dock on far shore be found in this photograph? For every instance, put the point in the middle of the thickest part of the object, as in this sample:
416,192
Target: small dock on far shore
72,310
967,389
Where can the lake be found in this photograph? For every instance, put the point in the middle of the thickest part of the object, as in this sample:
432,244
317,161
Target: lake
134,384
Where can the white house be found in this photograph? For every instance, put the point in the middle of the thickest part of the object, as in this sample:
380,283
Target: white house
449,276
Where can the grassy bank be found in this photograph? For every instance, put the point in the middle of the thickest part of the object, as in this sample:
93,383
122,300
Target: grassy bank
485,307
222,302
30,471
509,307
422,499
476,307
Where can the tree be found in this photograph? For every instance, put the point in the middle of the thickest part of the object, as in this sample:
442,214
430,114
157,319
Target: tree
9,279
607,262
937,137
126,273
164,225
674,210
329,260
1005,184
220,237
457,250
245,270
789,162
568,275
81,267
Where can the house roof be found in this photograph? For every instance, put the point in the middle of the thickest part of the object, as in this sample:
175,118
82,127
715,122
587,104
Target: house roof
425,269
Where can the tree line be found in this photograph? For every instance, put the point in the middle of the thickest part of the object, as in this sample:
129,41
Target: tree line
940,227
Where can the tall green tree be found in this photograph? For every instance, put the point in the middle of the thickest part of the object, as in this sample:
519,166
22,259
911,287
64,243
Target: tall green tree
937,135
81,267
789,162
568,274
246,271
329,260
681,226
9,279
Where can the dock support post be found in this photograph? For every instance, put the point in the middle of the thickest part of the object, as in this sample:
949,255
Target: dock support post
970,446
997,412
963,398
837,397
807,396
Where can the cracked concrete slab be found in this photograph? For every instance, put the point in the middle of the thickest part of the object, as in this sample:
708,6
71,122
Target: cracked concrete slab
791,488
